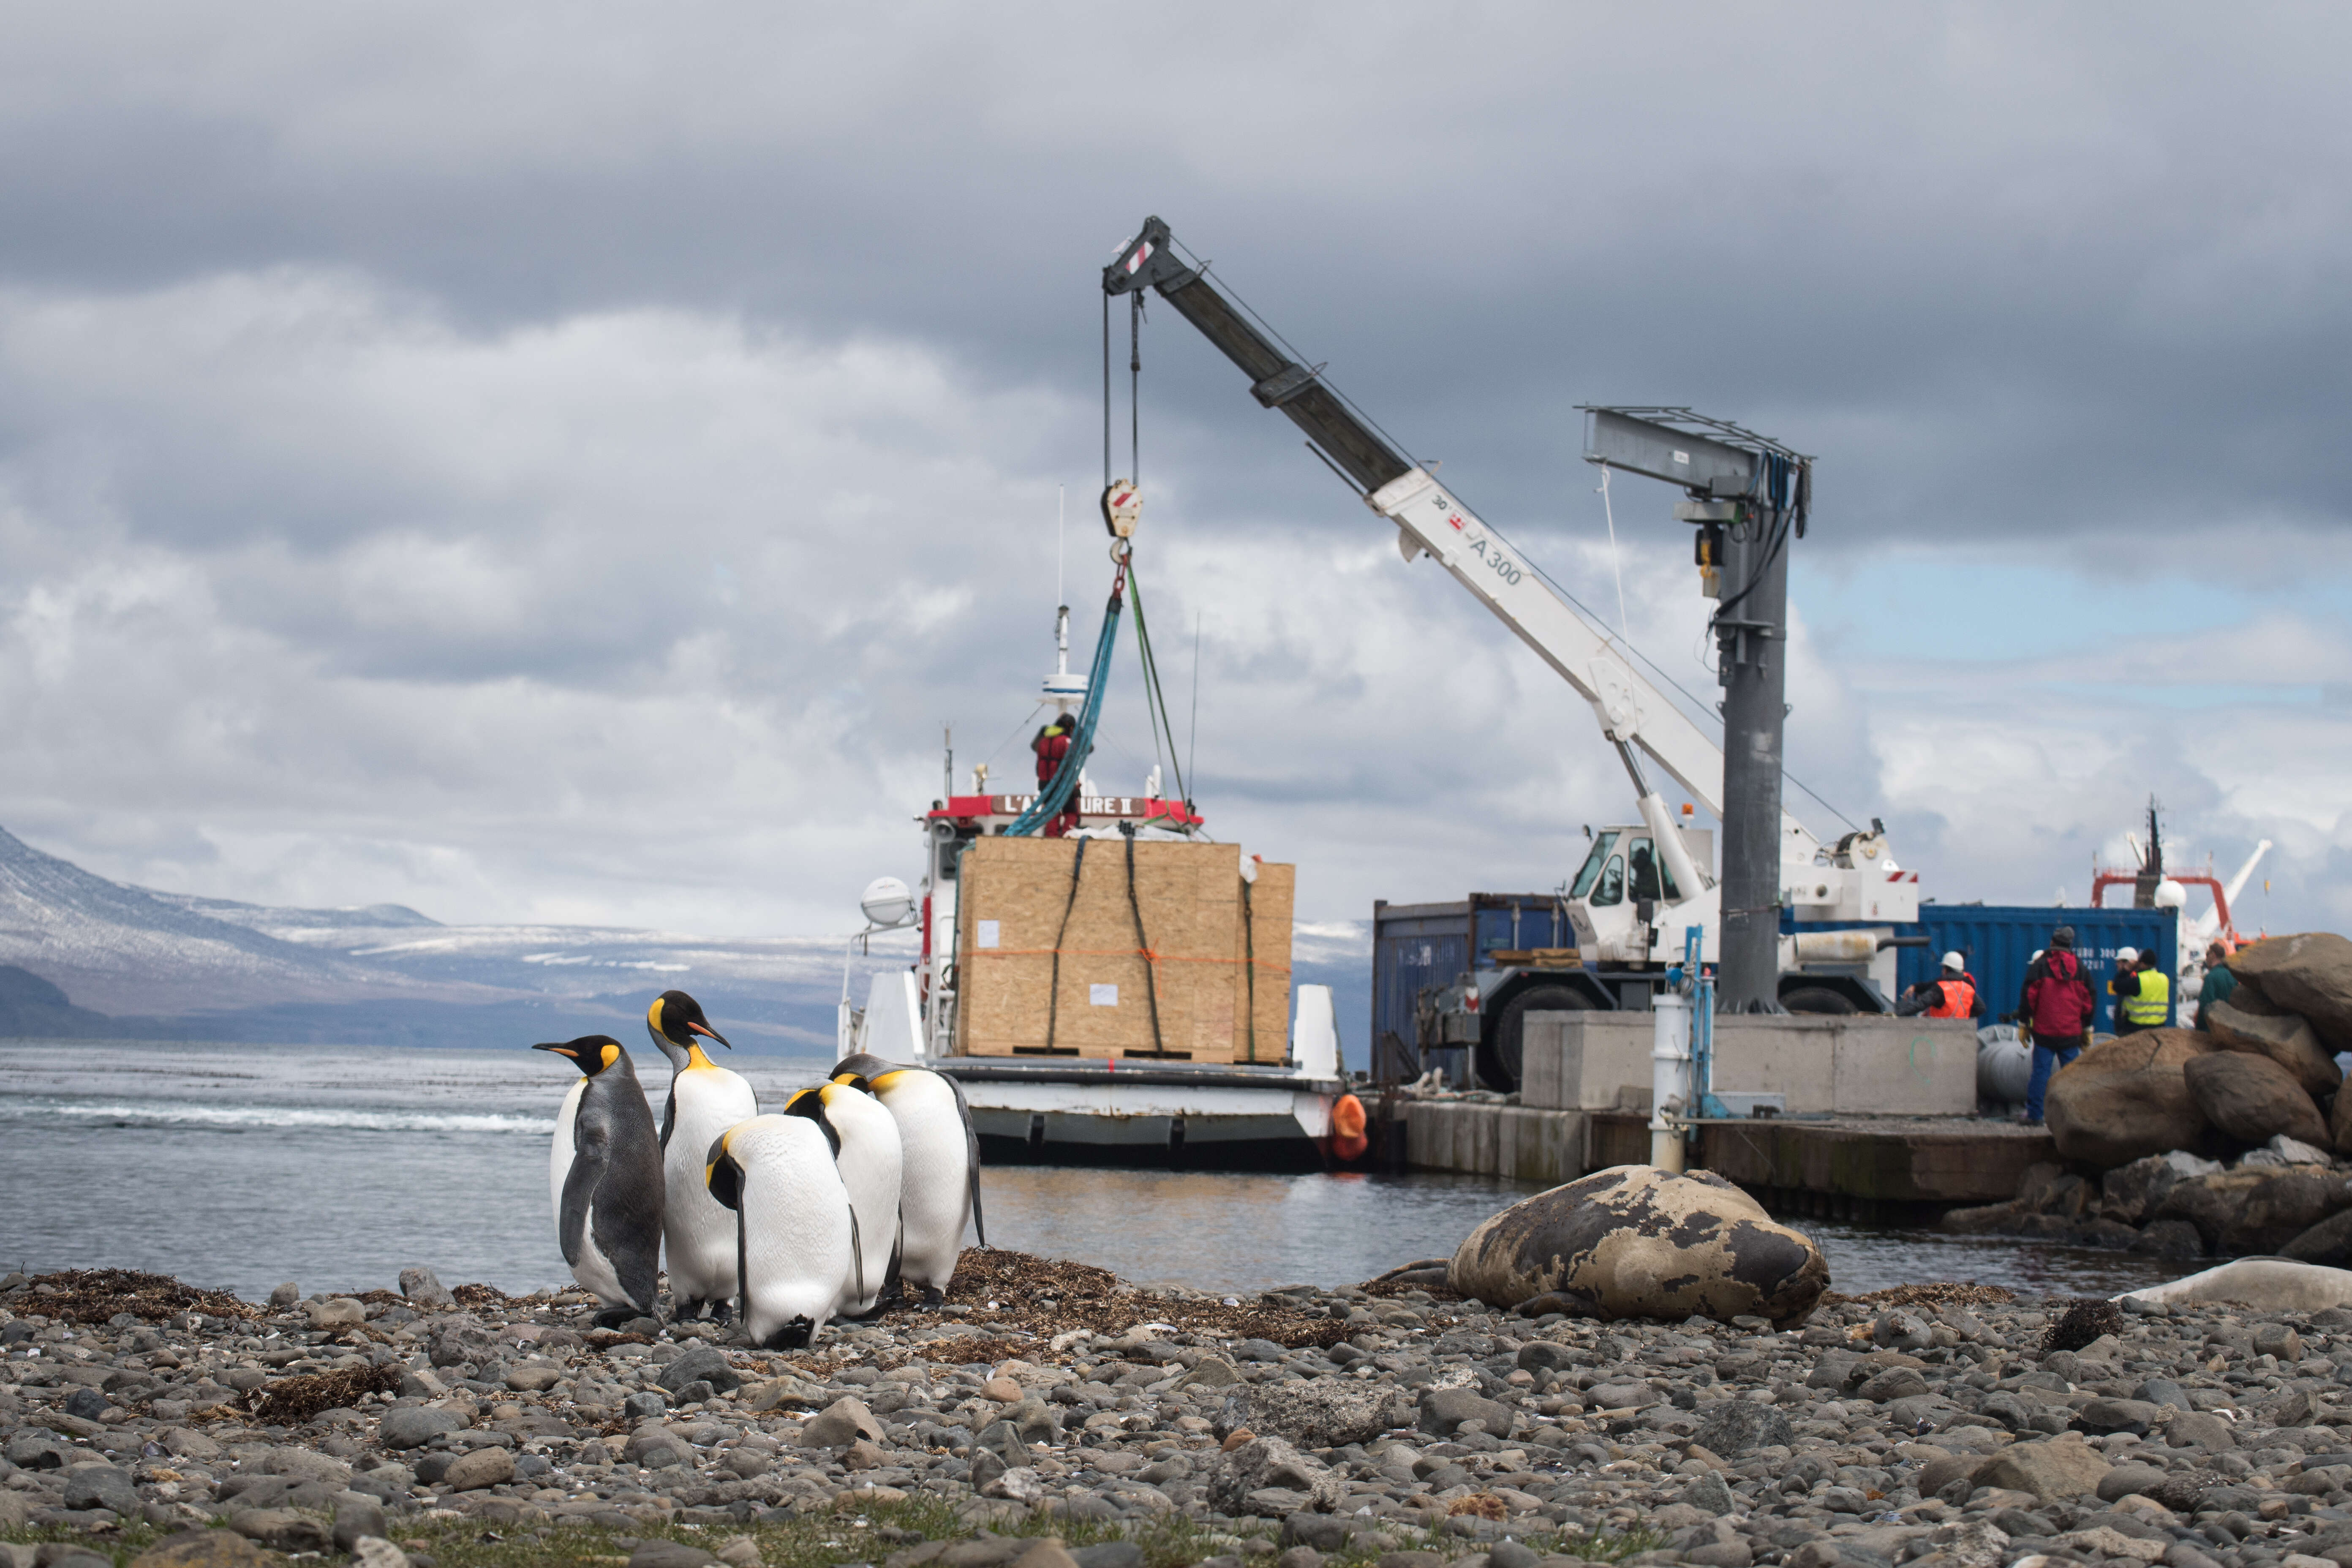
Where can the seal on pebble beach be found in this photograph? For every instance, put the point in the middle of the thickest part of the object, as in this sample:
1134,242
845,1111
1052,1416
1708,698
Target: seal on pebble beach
1634,1241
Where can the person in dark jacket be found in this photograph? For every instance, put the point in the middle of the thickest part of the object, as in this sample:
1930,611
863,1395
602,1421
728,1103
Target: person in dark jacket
1953,994
2218,982
2057,1007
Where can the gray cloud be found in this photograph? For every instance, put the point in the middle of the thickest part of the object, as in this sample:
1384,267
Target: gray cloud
541,468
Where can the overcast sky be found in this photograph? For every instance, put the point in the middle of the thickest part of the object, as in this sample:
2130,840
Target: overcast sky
566,463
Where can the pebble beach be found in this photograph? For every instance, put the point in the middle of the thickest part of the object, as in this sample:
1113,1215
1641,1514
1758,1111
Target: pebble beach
1049,1414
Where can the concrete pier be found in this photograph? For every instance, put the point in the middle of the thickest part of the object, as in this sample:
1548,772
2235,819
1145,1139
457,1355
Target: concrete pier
1876,1119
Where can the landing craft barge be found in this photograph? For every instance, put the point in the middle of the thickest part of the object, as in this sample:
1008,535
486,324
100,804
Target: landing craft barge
1119,994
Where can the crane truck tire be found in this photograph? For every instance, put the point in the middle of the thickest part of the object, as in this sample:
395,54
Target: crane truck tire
1500,1052
1816,999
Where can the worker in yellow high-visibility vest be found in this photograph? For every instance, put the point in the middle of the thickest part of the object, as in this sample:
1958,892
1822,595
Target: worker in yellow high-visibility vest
2142,992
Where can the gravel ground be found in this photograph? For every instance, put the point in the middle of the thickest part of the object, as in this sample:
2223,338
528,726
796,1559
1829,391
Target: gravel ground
1050,1417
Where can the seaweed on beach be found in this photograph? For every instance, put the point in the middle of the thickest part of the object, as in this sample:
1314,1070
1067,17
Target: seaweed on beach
1937,1293
483,1296
2086,1320
95,1295
1018,1291
292,1401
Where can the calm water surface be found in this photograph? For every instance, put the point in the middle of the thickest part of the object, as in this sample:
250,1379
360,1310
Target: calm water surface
336,1167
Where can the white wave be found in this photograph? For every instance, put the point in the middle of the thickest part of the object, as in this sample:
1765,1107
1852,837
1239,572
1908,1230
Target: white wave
166,1113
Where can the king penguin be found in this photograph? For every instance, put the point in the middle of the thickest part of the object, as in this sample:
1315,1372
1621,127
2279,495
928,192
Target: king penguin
939,1189
605,1176
705,1100
794,1239
865,1148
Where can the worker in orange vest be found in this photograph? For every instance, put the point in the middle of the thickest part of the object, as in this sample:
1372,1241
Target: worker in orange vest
1952,995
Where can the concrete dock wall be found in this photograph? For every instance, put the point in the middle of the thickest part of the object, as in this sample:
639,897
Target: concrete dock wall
1856,1066
1488,1139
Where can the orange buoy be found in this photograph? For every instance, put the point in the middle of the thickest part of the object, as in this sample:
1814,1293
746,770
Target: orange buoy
1347,1140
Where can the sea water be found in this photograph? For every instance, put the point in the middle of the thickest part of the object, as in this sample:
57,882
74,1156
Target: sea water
336,1166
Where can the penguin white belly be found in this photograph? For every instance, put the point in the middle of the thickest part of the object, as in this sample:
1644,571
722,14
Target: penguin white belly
797,1260
595,1272
559,1160
870,1161
935,1187
592,1270
699,1229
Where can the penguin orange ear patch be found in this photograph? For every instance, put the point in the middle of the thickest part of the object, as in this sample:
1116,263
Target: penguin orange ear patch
612,1054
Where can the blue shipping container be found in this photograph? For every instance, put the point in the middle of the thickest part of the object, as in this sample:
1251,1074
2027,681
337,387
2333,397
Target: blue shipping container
1999,940
1416,946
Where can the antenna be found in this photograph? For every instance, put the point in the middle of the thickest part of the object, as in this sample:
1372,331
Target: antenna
1193,738
947,739
1061,529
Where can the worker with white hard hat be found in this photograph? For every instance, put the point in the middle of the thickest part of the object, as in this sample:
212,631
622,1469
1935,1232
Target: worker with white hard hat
1952,995
2142,992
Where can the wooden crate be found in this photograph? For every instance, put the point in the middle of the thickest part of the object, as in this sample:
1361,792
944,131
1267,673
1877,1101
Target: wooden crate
1040,929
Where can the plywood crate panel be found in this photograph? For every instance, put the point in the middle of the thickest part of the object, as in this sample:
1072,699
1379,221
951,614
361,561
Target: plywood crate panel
1021,893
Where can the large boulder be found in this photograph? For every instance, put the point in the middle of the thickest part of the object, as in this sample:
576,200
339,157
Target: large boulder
2126,1099
2309,974
2131,1193
2284,1037
2256,1209
1634,1241
2253,1099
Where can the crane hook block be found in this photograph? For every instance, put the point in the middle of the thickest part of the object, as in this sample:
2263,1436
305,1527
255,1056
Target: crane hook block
1122,508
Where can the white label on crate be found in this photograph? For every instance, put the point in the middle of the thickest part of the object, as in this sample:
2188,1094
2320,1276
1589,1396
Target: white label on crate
1103,995
988,933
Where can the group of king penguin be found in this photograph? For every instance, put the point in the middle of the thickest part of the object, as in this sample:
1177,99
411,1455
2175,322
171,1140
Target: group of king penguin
859,1189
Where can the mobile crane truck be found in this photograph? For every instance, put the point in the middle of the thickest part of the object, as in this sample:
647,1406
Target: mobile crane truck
1641,887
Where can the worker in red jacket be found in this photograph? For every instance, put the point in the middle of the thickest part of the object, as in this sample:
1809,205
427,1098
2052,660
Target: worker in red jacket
2056,1008
1053,744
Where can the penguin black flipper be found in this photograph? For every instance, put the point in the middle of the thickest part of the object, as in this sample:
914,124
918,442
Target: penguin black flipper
588,1139
972,1150
669,1112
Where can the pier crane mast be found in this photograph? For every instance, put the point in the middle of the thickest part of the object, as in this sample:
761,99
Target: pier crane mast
1640,888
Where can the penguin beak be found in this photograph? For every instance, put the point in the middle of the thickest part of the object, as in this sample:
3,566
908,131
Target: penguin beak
558,1050
695,1029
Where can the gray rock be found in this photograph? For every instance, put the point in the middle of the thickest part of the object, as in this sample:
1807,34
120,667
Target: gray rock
356,1517
1320,1412
102,1485
1624,1395
461,1339
670,1554
281,1528
1109,1554
1271,1465
286,1295
39,1451
1894,1383
375,1551
414,1425
644,1405
482,1467
2130,1480
700,1364
1445,1409
2110,1415
1900,1331
1710,1494
87,1404
1542,1356
1738,1426
840,1424
424,1291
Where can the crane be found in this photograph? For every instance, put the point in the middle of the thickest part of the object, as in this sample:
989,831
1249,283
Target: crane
1620,936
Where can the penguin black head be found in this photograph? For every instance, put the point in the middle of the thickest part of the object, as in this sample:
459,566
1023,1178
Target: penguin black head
722,1174
810,1102
677,1017
857,1080
592,1054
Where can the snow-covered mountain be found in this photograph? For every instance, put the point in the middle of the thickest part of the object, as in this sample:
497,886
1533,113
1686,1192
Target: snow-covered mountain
180,966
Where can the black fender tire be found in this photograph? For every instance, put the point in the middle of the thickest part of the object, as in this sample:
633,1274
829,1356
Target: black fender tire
1818,999
1499,1053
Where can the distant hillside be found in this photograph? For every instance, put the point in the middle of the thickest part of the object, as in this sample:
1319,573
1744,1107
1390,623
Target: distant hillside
83,957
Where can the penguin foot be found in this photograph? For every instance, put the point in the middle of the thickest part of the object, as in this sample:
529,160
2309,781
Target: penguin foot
933,1296
793,1336
722,1313
614,1317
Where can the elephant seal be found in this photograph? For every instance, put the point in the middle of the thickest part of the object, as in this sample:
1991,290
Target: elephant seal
1634,1241
2265,1284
